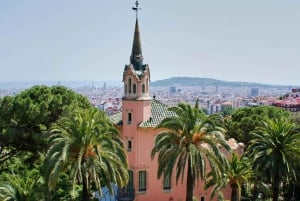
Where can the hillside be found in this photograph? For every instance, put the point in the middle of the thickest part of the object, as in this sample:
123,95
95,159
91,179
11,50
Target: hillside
194,81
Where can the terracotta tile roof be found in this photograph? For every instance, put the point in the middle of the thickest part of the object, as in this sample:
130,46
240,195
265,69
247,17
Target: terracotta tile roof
159,111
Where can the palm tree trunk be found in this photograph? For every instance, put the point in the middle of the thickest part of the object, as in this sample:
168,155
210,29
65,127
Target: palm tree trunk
189,183
234,192
275,188
85,188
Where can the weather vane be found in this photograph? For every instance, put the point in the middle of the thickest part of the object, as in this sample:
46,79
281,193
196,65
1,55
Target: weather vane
136,8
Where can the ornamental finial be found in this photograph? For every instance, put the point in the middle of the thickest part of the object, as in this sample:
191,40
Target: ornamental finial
136,8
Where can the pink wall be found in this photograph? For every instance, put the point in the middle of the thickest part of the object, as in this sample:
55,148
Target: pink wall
140,159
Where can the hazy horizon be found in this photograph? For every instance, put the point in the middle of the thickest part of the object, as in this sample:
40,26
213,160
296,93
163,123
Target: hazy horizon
98,83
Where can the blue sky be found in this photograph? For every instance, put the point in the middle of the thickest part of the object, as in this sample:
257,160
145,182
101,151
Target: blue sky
234,40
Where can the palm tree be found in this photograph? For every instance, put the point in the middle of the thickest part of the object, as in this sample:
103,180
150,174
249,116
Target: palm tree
189,139
24,186
274,145
238,173
91,148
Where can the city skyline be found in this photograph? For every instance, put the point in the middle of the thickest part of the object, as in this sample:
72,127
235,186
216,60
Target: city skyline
232,41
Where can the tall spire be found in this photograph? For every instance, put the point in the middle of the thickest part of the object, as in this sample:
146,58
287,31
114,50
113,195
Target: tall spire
136,58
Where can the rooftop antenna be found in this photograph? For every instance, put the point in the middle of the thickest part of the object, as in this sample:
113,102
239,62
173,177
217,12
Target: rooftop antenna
136,8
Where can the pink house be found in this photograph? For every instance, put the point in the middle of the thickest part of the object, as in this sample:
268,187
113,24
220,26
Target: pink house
137,121
290,103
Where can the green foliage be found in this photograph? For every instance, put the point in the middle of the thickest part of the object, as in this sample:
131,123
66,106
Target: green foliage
291,189
64,189
190,139
244,120
90,148
220,196
25,117
296,118
227,111
24,186
284,96
238,172
273,148
85,148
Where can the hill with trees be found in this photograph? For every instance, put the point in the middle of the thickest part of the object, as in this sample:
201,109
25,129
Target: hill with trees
198,81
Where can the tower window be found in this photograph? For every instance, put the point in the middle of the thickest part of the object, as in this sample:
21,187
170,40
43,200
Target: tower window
142,181
167,183
129,85
129,145
125,88
129,118
147,85
202,198
134,88
143,88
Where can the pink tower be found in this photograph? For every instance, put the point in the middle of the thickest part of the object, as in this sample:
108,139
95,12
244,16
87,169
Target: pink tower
137,121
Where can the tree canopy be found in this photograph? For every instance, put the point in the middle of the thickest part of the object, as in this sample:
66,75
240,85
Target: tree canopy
273,148
29,125
25,117
91,148
246,119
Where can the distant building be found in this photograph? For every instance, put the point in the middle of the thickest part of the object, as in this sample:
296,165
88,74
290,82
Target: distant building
290,103
172,90
254,92
296,90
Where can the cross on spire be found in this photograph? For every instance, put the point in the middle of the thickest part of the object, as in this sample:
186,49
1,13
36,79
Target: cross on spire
136,8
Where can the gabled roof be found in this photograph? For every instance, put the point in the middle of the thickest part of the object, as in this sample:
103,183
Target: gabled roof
159,111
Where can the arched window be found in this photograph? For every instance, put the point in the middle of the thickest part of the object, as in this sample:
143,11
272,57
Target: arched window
143,88
125,88
134,88
147,85
129,85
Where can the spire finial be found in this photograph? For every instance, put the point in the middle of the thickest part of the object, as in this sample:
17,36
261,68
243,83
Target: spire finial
136,58
136,8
